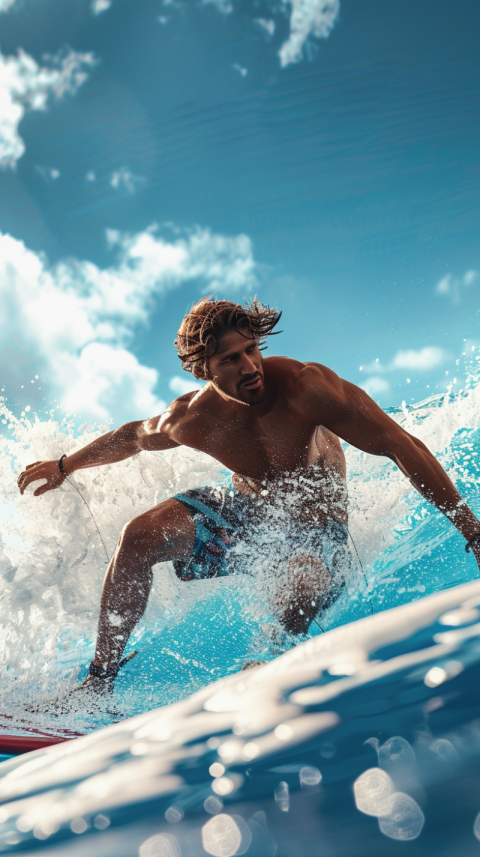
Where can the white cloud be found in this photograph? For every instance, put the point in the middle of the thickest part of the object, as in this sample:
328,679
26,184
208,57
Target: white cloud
180,386
452,287
223,6
105,377
90,176
469,277
422,360
242,71
6,4
123,179
307,18
24,85
267,25
75,321
99,6
376,385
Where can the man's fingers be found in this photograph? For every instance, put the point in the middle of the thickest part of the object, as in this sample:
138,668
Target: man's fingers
25,480
22,479
22,483
41,490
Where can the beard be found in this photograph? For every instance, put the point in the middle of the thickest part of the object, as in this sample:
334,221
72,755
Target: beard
252,397
244,397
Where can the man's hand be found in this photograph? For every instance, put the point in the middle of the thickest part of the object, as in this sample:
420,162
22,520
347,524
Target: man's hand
41,470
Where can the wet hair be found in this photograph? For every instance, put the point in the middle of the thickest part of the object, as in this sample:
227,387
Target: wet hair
209,320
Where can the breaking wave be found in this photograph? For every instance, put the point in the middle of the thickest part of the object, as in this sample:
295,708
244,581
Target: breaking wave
53,560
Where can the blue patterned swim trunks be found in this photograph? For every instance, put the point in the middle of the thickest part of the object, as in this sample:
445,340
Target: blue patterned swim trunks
224,519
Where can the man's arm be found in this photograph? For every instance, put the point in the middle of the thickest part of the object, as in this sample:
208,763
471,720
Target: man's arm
117,445
352,415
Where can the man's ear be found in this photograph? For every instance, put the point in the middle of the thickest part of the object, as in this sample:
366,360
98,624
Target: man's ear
201,372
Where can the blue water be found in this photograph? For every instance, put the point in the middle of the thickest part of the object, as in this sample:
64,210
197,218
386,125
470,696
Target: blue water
363,741
393,694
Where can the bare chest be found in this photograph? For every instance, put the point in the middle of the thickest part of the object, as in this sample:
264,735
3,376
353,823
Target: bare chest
256,447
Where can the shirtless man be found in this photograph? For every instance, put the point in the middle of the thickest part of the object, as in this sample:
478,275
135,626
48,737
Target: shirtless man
275,423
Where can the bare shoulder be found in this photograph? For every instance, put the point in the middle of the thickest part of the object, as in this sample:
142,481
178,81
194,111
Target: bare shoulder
165,431
322,378
179,410
299,379
284,370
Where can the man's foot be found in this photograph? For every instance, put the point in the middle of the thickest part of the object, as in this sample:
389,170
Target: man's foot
87,698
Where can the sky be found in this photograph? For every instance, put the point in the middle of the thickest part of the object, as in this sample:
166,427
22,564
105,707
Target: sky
321,154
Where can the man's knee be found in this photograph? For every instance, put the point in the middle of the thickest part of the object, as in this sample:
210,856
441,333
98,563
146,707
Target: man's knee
139,535
160,532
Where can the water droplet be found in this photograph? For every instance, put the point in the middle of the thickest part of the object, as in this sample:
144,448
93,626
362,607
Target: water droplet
221,836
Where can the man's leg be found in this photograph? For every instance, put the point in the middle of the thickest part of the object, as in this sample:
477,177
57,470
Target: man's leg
304,588
163,533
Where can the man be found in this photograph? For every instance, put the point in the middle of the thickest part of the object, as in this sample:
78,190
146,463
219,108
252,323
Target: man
275,423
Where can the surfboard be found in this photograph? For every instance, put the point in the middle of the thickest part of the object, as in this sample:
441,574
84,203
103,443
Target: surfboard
34,738
15,745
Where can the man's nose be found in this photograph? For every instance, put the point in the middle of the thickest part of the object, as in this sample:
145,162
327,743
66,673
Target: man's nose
248,366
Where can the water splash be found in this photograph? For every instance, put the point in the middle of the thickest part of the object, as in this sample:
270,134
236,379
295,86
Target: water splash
52,563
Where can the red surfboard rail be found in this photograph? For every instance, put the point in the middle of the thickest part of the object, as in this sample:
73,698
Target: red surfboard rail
15,745
34,739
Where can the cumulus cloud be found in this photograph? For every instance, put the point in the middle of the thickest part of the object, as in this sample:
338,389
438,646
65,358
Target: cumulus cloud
452,287
75,321
422,360
105,376
24,85
99,6
180,385
376,385
266,24
123,179
223,6
307,18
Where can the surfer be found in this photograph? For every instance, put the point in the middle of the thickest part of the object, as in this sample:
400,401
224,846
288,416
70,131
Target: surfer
276,423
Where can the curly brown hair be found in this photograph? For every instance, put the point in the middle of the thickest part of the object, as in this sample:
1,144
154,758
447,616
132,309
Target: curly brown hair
209,320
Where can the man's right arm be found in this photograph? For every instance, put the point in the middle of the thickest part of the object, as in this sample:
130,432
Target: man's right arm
114,446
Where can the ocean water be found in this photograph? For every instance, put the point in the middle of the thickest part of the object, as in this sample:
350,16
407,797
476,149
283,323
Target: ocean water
391,697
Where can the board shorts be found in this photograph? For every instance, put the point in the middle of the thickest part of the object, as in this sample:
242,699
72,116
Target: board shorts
231,529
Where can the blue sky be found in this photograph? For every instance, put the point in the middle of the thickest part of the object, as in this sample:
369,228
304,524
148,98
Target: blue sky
322,154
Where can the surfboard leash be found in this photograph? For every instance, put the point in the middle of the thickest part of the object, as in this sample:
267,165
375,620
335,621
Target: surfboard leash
107,560
361,566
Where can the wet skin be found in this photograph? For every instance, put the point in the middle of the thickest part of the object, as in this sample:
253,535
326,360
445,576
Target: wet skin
264,419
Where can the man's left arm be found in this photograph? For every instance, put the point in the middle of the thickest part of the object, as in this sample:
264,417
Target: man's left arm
351,414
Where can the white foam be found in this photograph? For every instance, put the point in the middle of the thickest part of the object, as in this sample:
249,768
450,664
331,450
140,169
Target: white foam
52,563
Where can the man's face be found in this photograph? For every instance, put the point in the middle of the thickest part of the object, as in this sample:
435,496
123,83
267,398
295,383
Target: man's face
237,367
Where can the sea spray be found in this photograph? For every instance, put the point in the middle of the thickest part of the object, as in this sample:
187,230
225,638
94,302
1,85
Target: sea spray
52,562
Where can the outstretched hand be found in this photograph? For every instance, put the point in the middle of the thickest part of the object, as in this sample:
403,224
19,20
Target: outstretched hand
41,470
